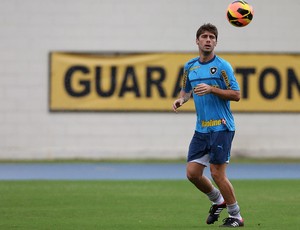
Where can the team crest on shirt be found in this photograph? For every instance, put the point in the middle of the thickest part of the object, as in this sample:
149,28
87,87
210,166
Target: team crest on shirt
213,70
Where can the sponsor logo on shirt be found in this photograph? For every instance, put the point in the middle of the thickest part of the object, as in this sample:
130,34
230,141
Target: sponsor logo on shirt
195,67
211,123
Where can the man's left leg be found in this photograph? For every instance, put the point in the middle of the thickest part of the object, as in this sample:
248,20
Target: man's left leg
218,173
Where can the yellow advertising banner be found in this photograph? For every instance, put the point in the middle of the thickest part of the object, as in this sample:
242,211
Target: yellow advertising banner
152,81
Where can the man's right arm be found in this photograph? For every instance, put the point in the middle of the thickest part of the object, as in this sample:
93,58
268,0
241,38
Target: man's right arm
183,98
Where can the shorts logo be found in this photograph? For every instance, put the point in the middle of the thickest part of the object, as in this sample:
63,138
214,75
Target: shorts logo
213,70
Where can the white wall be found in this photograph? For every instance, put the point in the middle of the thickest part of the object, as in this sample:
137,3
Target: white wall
33,28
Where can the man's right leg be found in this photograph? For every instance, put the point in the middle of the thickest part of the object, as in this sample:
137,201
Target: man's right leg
202,183
194,172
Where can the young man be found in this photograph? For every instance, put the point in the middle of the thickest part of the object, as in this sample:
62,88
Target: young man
212,82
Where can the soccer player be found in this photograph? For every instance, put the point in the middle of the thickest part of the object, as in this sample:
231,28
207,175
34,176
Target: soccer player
211,81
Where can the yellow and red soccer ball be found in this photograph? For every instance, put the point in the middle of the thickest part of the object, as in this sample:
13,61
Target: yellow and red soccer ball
239,13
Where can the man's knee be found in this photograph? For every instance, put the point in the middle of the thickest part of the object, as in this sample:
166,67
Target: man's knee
218,172
192,176
216,176
194,172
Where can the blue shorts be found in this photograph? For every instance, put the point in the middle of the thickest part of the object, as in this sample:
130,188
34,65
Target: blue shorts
213,147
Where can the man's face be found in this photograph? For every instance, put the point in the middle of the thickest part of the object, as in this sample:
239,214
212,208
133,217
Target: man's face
206,42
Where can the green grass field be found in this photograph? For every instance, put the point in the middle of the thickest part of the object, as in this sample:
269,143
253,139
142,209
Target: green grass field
265,204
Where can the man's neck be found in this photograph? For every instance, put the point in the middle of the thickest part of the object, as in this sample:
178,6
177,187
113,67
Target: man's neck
205,57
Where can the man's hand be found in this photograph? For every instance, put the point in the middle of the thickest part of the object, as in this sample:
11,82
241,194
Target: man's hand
202,89
177,103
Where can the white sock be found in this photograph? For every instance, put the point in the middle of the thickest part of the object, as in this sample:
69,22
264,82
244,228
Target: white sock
234,211
215,196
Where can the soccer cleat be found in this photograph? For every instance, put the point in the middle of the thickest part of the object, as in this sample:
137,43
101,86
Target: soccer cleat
214,212
230,222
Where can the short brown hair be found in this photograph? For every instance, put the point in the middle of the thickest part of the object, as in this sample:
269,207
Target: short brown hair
207,27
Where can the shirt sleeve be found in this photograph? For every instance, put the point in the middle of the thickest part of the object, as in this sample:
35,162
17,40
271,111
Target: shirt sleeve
186,86
228,76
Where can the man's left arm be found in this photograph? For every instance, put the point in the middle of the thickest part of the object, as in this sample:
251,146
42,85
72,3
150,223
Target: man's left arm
226,94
